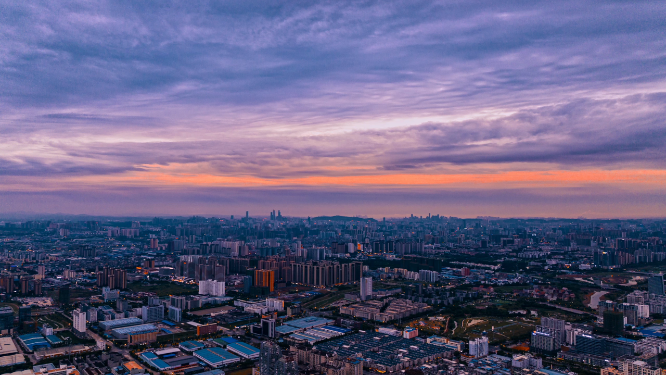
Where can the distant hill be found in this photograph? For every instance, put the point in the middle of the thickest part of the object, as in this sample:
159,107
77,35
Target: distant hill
343,218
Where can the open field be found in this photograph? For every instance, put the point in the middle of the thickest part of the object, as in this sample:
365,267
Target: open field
509,288
504,330
81,293
74,340
435,326
56,323
324,300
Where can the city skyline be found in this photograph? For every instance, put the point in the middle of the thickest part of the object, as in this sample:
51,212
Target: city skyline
532,109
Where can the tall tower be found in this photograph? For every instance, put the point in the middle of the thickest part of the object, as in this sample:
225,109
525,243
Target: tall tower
366,288
656,285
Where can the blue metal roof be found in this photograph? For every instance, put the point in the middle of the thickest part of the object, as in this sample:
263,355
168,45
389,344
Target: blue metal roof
244,348
337,329
155,361
149,355
215,355
34,340
160,364
192,345
53,339
286,329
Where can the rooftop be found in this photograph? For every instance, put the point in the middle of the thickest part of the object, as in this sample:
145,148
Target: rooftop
192,345
244,348
142,328
110,324
7,346
215,355
308,322
132,365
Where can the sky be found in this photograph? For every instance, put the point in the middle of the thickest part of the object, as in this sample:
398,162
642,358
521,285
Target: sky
379,109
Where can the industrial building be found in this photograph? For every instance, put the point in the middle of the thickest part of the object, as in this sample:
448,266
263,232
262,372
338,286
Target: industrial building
216,357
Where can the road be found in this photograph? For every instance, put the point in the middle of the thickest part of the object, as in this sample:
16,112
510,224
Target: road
596,297
569,309
32,357
115,349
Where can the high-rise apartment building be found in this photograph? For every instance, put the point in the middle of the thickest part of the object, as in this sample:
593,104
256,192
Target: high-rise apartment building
265,278
38,287
175,314
274,304
271,361
25,284
656,285
178,301
212,288
544,342
614,322
113,278
152,313
247,284
478,347
79,321
366,288
326,273
557,327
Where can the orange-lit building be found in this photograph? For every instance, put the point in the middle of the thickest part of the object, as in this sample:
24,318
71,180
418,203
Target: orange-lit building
264,278
206,329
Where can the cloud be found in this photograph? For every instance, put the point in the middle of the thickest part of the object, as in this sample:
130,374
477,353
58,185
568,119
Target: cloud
293,90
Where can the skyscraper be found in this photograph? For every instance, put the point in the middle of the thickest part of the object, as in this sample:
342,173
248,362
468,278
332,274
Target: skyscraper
6,318
247,284
656,285
25,313
366,288
268,327
63,295
614,322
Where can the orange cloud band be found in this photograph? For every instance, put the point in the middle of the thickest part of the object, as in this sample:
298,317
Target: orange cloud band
531,178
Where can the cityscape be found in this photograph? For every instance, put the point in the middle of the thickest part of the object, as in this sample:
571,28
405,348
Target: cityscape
333,187
275,294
